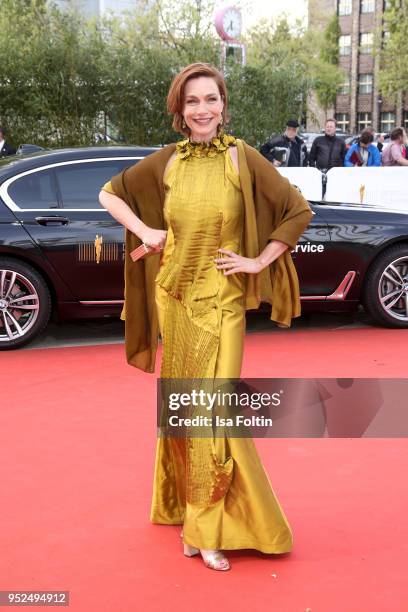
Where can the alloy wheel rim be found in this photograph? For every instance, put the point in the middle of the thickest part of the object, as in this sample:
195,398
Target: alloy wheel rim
393,289
19,305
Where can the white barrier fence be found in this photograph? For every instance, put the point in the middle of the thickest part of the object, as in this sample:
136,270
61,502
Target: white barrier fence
380,186
308,180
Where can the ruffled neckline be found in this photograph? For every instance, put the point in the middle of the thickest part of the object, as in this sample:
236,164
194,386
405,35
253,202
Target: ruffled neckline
189,148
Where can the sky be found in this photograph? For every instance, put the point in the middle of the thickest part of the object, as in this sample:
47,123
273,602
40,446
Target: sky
252,10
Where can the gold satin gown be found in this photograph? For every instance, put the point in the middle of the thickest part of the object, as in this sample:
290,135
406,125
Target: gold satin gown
216,487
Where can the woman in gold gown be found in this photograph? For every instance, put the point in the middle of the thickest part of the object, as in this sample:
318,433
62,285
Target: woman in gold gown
216,487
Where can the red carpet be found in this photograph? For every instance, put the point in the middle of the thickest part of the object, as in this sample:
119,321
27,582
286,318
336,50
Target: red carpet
77,448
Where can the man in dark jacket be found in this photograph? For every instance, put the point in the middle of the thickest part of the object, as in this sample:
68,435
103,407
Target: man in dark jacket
5,148
287,149
327,151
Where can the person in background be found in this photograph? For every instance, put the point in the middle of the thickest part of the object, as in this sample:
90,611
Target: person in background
286,149
380,142
363,152
380,138
5,148
328,151
405,143
395,153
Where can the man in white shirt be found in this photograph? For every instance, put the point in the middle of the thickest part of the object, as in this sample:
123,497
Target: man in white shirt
5,148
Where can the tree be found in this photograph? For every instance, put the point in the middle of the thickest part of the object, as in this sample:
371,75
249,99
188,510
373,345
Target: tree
188,32
393,65
262,99
297,61
327,74
144,52
50,78
63,77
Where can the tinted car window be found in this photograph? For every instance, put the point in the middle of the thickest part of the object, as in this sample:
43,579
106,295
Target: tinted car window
35,190
80,184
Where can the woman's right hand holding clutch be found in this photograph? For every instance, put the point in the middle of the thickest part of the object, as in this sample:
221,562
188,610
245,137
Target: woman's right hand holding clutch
122,212
153,238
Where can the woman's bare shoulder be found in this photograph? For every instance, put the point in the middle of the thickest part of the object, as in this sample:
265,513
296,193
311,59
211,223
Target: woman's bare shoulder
170,162
233,151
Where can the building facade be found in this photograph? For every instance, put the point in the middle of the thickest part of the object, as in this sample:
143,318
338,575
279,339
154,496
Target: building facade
359,102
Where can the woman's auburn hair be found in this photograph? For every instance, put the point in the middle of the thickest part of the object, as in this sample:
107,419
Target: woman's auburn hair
175,97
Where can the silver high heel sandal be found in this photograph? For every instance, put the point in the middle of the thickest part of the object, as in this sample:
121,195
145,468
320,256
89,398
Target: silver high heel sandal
214,559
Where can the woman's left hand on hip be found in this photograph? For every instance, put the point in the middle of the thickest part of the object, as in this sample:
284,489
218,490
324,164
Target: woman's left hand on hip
233,263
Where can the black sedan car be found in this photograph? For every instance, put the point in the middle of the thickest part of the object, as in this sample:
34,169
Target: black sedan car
62,254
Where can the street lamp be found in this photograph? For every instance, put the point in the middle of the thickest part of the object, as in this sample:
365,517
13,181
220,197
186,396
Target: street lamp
379,106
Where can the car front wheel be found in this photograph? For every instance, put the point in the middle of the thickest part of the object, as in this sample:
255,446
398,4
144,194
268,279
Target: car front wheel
386,287
25,303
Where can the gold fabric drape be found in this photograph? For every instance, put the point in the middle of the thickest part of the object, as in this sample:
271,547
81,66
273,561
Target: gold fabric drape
215,486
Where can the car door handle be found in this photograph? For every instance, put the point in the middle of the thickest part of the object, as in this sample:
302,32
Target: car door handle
52,220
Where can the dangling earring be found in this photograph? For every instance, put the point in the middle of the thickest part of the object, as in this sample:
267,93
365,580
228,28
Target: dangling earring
184,124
